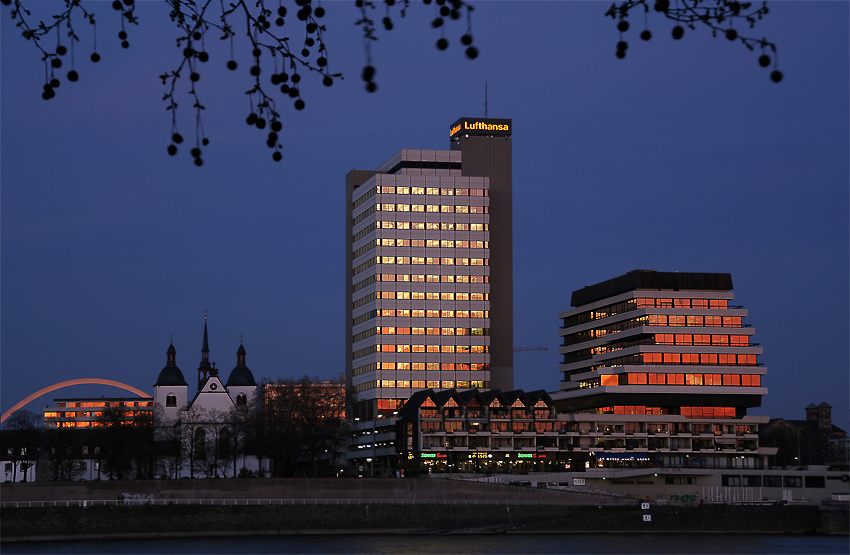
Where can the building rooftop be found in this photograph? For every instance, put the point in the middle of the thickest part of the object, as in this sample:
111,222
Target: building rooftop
652,280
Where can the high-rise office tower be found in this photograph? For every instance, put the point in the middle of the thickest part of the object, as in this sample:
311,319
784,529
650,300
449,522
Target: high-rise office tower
661,365
429,281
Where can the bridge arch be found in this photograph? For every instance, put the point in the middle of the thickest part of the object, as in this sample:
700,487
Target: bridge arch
60,385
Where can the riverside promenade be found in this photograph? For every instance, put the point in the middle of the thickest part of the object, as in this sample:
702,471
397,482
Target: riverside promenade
294,490
227,507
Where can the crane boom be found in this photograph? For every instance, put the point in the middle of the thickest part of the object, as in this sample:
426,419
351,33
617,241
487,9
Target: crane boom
535,348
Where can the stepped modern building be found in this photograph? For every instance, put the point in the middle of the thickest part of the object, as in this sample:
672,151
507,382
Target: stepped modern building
429,282
661,366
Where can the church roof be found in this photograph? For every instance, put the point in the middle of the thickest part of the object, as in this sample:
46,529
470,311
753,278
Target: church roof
241,375
170,375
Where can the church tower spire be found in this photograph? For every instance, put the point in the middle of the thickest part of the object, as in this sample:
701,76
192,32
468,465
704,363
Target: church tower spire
204,369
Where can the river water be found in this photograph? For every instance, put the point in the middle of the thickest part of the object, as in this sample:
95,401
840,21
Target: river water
457,544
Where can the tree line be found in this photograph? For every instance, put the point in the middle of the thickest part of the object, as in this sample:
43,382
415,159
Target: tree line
298,427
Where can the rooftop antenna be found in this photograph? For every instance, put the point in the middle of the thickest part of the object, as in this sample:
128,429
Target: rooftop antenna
485,99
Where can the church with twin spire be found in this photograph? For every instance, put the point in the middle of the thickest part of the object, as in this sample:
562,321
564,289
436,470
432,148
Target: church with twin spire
171,391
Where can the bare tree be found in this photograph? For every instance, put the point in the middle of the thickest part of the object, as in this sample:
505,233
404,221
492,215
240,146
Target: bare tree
238,421
114,444
264,29
304,423
193,436
23,441
166,436
220,446
63,454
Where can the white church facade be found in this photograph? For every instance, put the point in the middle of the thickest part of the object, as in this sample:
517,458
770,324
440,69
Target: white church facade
208,433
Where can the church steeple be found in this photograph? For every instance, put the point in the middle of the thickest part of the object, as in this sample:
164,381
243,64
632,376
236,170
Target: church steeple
204,369
170,375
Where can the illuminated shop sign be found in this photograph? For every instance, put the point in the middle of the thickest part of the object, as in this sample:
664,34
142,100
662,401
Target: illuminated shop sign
487,127
530,456
479,455
433,455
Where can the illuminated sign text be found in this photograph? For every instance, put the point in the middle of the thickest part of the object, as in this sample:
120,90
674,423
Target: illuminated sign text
471,126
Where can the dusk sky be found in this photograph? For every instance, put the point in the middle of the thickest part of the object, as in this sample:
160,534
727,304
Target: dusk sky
683,156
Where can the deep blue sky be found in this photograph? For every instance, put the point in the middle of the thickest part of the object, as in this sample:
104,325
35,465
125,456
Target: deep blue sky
682,157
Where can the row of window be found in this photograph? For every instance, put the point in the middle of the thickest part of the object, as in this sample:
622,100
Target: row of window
101,404
434,208
434,226
687,412
418,313
418,226
363,215
655,378
416,295
362,335
633,304
365,231
433,278
602,312
419,278
432,260
700,339
443,384
364,197
714,359
710,359
695,320
364,266
431,243
462,349
405,313
365,248
652,428
364,300
424,366
429,260
653,320
411,331
422,296
444,191
392,330
434,366
682,303
517,412
663,339
431,384
494,427
363,283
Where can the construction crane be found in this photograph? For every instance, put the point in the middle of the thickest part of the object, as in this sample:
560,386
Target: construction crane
536,348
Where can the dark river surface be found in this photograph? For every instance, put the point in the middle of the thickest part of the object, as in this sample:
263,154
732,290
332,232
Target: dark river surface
456,544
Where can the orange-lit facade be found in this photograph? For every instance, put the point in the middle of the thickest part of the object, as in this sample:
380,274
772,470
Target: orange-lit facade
88,413
661,367
327,397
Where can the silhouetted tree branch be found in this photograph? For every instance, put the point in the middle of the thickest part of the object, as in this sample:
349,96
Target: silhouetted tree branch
259,25
721,16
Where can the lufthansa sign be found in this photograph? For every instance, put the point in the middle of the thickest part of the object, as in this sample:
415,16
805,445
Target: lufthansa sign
486,127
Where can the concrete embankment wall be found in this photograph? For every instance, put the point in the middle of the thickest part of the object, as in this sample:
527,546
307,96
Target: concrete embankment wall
195,520
298,488
365,506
